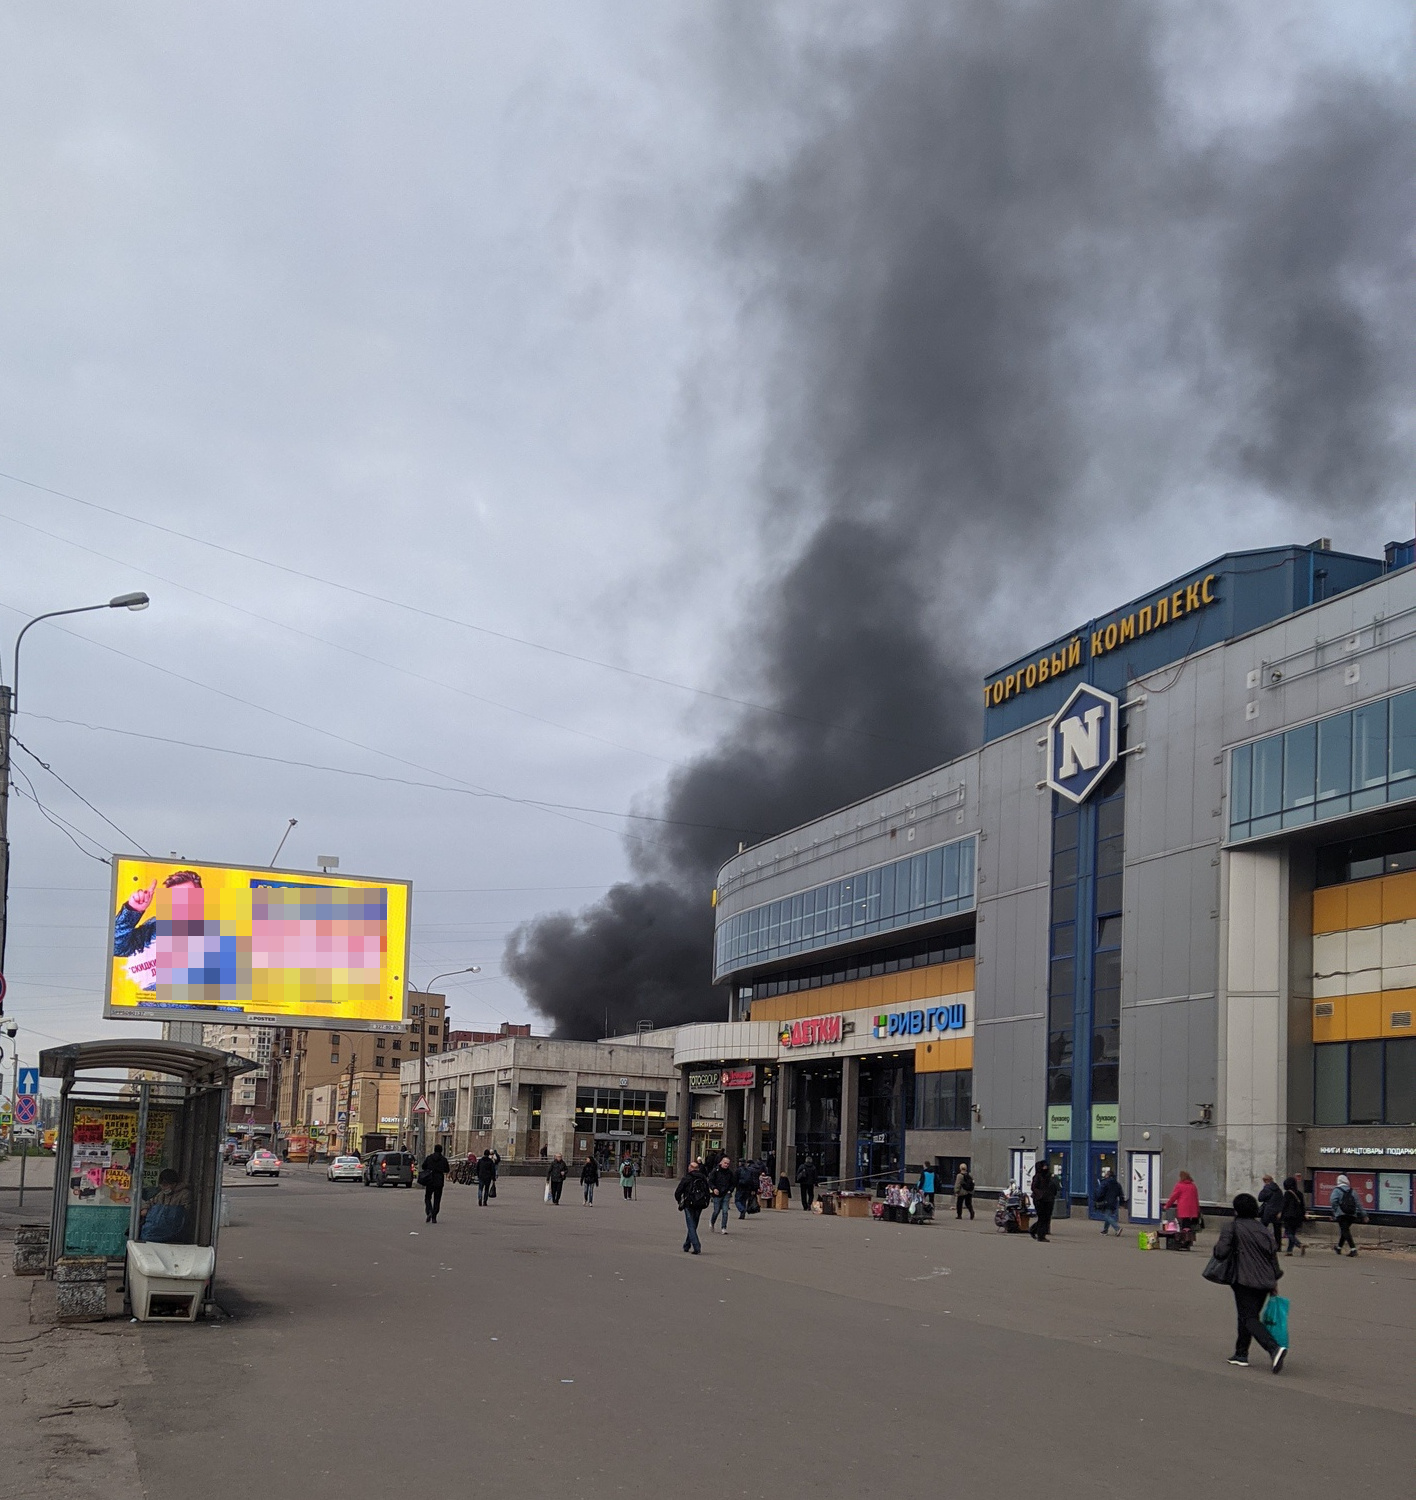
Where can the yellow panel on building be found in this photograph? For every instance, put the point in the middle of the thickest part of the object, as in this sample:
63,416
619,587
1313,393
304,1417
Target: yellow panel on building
1398,1010
1330,1019
1399,897
1364,903
1330,909
884,992
1364,1016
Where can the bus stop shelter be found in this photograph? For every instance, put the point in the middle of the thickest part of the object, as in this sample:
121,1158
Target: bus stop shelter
126,1145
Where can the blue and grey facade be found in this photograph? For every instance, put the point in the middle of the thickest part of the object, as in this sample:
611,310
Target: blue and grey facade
1173,907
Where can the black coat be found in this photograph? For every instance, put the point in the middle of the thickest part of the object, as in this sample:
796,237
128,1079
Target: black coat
721,1180
806,1174
486,1170
1294,1209
557,1172
1108,1194
436,1165
1253,1248
1044,1189
590,1172
1270,1202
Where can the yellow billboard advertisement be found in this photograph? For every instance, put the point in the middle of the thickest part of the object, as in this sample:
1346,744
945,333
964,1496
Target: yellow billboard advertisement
256,947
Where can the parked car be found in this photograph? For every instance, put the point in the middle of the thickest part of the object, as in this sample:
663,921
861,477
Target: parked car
240,1155
389,1169
263,1163
346,1169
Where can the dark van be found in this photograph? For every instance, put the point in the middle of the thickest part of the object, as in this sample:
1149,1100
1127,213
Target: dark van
389,1169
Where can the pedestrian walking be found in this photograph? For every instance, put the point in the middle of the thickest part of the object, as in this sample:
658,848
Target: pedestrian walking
589,1180
1043,1189
692,1195
627,1177
926,1184
806,1180
746,1185
720,1188
1345,1209
1185,1200
1108,1201
431,1175
1246,1259
556,1175
1270,1202
486,1178
963,1192
1292,1214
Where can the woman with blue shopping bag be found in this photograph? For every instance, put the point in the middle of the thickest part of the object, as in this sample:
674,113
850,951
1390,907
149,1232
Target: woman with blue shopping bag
1246,1259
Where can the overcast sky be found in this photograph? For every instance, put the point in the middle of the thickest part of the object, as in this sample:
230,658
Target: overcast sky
434,303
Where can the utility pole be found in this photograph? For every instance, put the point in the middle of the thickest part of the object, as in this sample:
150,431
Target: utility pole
5,709
349,1099
423,1078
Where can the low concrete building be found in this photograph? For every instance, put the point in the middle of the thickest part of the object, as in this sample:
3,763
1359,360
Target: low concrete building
529,1097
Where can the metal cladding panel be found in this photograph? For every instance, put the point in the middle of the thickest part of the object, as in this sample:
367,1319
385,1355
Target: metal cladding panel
855,838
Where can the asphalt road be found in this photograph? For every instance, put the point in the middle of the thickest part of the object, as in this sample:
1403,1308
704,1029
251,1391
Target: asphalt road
531,1351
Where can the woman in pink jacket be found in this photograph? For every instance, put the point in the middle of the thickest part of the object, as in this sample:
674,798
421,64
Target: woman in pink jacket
1185,1200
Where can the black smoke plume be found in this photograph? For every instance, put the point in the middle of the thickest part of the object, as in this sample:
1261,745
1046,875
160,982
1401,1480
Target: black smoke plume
1021,293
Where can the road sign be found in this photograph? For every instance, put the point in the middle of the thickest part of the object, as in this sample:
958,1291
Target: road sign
3,988
26,1109
5,1116
421,1107
29,1081
342,1118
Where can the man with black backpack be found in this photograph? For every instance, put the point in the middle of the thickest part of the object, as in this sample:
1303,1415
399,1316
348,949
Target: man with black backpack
691,1195
807,1177
1345,1209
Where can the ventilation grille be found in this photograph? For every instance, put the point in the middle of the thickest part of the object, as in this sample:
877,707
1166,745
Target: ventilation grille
1400,1018
1323,1008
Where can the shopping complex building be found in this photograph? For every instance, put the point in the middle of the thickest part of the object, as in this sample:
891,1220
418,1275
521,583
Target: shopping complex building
1163,917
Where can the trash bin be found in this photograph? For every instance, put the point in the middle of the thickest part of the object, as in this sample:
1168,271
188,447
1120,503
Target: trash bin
165,1282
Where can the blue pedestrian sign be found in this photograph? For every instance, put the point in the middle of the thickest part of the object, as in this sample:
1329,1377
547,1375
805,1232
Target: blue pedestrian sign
29,1082
1082,743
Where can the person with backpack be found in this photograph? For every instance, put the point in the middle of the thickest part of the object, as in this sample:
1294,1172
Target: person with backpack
589,1180
1270,1202
486,1178
720,1186
431,1176
1246,1260
627,1177
806,1180
1043,1189
1292,1213
963,1191
1345,1208
556,1175
692,1195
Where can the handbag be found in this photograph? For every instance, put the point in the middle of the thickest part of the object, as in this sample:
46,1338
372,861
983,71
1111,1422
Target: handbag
492,1188
425,1179
1222,1269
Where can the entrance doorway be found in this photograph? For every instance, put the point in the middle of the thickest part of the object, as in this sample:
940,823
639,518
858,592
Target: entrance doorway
1100,1158
1059,1158
1144,1186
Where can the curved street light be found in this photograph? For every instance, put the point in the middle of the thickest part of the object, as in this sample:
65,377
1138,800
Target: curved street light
9,707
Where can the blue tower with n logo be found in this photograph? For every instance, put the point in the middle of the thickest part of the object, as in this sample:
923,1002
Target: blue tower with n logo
1082,742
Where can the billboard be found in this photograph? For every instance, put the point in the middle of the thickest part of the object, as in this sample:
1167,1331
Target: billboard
223,943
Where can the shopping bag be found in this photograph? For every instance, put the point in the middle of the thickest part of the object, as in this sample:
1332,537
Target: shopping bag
546,1197
1274,1317
1146,1239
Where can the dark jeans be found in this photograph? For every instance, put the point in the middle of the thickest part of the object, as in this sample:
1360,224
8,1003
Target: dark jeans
1248,1304
807,1194
963,1201
628,1189
483,1189
1344,1225
432,1197
589,1188
691,1217
742,1195
1044,1221
556,1190
1291,1230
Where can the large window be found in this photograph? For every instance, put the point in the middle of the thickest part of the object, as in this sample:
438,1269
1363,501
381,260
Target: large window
1365,1083
635,1112
1360,758
1106,954
944,949
922,887
1062,975
482,1097
943,1101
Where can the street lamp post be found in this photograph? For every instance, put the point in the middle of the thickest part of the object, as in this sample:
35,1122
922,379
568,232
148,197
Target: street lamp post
9,707
423,1050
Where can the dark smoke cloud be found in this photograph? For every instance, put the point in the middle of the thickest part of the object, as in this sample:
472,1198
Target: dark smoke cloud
1009,293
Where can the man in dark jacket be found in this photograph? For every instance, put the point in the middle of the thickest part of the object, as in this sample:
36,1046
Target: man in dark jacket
1108,1201
589,1180
747,1176
963,1192
486,1176
1044,1194
556,1174
806,1180
720,1186
692,1195
432,1174
1270,1202
1247,1246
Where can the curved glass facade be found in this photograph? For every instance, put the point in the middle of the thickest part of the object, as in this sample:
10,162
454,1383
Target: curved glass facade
922,887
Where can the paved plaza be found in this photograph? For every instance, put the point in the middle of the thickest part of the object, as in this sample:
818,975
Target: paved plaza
529,1350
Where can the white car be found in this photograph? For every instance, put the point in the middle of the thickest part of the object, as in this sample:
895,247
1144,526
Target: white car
263,1163
346,1169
